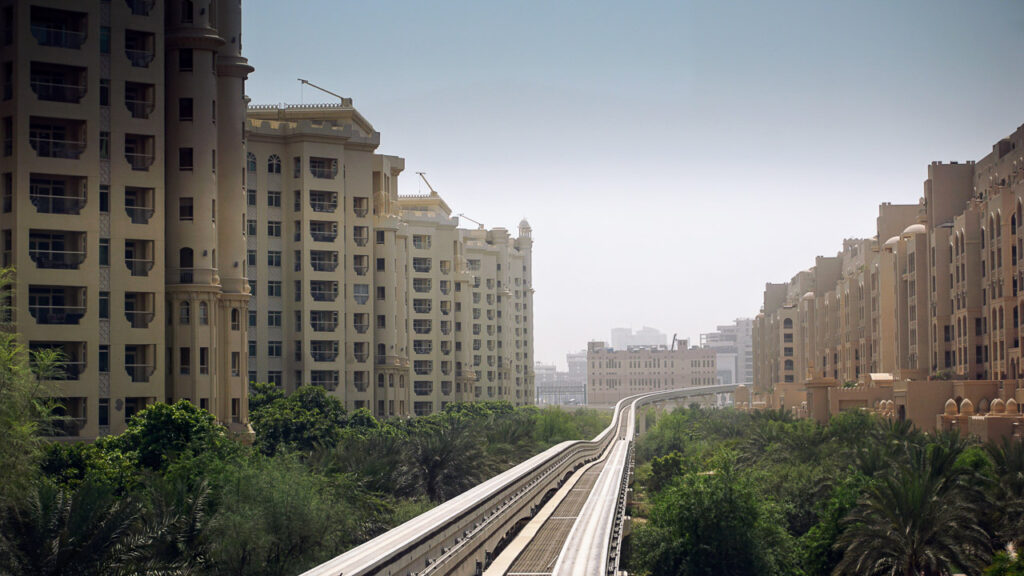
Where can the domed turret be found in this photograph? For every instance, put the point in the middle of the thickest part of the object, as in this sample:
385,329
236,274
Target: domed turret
967,407
950,407
1011,406
914,229
998,406
524,229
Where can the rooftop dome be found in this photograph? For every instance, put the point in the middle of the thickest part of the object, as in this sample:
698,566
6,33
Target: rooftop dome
1011,406
892,241
967,407
809,296
950,407
998,406
914,229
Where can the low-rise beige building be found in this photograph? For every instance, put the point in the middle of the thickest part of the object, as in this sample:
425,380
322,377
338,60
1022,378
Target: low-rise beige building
616,374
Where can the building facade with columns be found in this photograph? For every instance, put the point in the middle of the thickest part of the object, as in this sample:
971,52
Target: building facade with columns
123,202
615,374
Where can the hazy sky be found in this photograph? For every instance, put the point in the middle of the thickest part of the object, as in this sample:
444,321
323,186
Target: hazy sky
672,157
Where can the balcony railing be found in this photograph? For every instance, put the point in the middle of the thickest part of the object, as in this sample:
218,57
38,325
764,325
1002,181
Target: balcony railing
70,370
55,92
324,295
140,58
361,356
139,318
324,355
324,235
139,266
139,214
324,265
63,315
57,203
323,205
139,108
323,325
57,259
361,327
58,37
140,7
360,269
361,240
139,372
422,349
53,148
139,160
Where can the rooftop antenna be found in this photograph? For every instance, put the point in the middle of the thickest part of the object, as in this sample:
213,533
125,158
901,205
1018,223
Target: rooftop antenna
322,89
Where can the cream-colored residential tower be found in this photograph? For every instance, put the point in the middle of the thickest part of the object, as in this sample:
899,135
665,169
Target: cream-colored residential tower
111,135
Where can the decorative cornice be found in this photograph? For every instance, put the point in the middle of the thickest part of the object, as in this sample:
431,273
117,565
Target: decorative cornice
195,38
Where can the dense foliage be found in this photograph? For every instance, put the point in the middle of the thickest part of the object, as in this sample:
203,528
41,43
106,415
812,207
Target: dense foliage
174,494
730,493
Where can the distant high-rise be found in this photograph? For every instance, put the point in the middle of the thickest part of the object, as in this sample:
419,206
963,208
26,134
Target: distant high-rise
733,345
623,338
615,374
562,388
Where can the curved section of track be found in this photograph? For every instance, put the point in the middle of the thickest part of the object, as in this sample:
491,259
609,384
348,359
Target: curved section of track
464,534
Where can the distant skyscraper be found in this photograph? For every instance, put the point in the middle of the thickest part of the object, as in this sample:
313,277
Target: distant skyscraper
554,387
733,345
623,338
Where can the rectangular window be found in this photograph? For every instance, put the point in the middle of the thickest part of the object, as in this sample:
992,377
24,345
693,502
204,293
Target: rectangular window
104,305
274,348
250,197
184,360
274,288
104,416
274,228
184,158
274,318
104,91
380,236
204,360
252,348
105,145
104,198
104,358
250,227
185,109
252,318
236,364
185,209
251,257
274,258
185,60
104,251
274,198
104,39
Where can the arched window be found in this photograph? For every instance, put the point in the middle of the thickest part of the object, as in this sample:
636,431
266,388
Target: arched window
204,313
236,319
250,162
787,323
184,313
789,365
274,164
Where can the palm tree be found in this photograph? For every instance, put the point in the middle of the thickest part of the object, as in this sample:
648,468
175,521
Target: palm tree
89,531
919,518
1008,492
447,458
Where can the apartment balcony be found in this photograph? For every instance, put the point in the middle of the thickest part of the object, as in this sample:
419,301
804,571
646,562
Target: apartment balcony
326,379
360,207
57,83
70,416
138,204
139,47
57,137
138,361
361,356
140,7
72,359
323,260
323,201
360,235
361,322
446,368
445,267
56,250
360,380
139,99
446,308
423,367
323,290
58,28
446,348
323,320
324,168
56,305
421,326
361,265
446,327
324,350
446,287
323,231
139,309
421,265
425,348
422,306
139,151
138,256
57,194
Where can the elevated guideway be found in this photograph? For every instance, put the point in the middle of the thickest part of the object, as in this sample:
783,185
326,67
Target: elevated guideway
583,484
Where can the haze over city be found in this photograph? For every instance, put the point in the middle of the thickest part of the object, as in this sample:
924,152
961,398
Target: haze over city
671,157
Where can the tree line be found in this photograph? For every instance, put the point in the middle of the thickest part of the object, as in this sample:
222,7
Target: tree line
733,493
175,494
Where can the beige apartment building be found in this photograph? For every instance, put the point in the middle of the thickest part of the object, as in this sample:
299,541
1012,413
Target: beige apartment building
615,374
380,298
935,297
122,221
